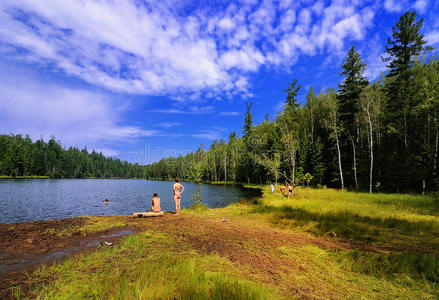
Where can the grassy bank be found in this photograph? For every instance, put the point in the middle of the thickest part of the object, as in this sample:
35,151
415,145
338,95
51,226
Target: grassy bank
318,244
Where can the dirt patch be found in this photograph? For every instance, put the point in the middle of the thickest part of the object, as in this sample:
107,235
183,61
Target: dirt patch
24,246
252,246
36,237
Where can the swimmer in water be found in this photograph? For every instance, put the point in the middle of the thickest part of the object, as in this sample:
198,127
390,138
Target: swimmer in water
178,190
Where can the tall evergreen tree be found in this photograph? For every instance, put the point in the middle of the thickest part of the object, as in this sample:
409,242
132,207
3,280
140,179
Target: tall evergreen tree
292,90
350,89
348,103
405,47
247,122
407,44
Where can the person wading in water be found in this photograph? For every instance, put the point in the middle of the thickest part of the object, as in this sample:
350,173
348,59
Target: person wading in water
178,190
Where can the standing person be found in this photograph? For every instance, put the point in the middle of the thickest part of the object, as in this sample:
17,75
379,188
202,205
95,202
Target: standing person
155,203
291,191
178,190
272,188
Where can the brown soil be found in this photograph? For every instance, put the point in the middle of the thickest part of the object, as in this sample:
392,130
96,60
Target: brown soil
24,246
252,246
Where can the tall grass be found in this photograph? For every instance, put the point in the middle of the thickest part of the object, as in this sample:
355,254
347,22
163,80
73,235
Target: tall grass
383,218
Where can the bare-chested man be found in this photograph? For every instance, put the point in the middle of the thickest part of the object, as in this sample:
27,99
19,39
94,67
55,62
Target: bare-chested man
155,203
178,190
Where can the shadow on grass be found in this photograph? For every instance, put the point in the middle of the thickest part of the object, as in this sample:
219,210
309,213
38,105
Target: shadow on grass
392,265
417,257
428,205
351,225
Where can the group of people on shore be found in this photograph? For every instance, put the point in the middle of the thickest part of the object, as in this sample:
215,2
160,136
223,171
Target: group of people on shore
177,189
286,190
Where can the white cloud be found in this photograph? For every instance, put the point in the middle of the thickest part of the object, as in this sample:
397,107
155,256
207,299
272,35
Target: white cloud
394,5
215,133
421,6
226,24
167,125
375,64
192,110
229,113
77,117
153,48
432,38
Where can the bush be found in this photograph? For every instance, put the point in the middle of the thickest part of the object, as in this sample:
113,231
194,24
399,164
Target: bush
196,199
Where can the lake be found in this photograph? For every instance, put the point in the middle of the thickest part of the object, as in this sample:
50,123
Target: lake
23,200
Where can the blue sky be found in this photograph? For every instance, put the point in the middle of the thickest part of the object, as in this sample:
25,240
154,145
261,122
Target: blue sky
141,80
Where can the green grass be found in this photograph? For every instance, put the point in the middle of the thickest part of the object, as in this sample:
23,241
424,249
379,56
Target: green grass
400,221
354,275
95,224
139,269
387,247
199,208
91,224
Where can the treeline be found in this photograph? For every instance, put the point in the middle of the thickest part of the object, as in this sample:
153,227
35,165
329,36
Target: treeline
376,137
19,156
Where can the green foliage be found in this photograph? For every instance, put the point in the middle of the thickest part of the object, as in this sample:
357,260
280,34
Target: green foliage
247,121
292,91
196,196
351,87
23,158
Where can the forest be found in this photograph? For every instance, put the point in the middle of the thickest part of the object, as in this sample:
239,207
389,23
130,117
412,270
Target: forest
377,137
380,136
19,156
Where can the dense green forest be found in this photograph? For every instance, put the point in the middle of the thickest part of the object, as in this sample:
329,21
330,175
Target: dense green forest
21,157
380,136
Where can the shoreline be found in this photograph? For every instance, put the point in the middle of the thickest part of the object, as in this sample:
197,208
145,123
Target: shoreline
318,244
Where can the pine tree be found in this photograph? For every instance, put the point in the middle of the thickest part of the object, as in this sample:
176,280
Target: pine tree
350,88
348,99
292,91
407,44
247,122
405,47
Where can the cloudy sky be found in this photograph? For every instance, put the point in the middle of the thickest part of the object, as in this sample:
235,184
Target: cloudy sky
141,80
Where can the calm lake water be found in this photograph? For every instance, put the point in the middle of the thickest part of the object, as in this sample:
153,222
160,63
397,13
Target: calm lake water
39,199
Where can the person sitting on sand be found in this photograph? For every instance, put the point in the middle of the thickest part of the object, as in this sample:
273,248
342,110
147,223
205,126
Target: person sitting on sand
178,190
155,204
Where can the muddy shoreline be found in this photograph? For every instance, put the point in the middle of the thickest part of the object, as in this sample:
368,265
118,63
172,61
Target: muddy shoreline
25,246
